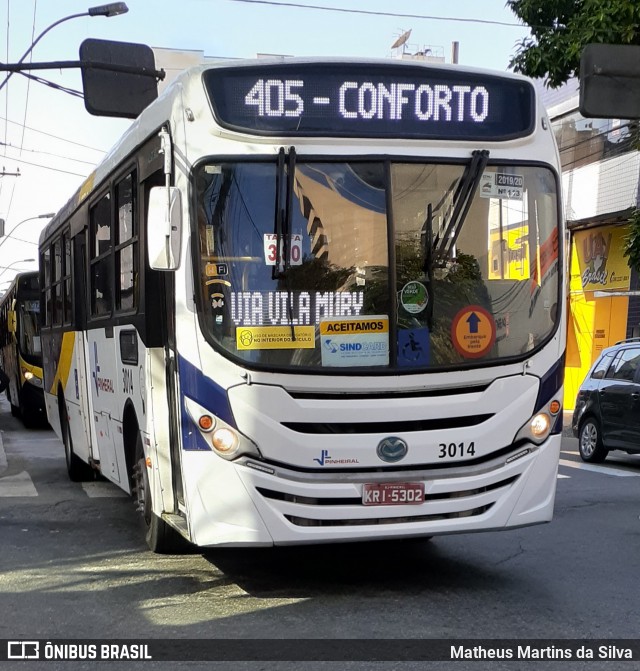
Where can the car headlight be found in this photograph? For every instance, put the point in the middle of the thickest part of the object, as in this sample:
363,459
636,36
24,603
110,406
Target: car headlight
225,440
538,428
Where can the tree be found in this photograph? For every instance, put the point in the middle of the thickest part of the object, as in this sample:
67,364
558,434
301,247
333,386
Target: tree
560,29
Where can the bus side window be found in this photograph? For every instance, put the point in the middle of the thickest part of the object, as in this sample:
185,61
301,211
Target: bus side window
101,259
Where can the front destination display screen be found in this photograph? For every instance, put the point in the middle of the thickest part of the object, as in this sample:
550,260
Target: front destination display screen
370,100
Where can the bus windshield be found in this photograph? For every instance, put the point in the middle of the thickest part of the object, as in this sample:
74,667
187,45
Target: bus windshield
29,332
374,265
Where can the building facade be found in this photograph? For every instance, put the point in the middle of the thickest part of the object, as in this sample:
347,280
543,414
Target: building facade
600,185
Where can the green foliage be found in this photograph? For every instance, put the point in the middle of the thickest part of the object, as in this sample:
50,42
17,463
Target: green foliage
560,29
632,241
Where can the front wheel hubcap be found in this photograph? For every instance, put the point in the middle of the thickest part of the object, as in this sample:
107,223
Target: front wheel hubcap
588,440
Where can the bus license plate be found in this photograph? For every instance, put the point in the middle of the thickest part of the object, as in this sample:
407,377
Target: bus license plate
393,493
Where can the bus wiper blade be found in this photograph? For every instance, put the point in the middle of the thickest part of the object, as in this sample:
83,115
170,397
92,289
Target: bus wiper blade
288,215
286,234
279,214
428,262
282,225
462,202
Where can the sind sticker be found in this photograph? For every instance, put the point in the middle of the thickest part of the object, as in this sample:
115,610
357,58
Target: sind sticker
355,341
275,337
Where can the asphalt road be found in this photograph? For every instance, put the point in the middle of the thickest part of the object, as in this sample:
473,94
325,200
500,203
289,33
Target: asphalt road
73,564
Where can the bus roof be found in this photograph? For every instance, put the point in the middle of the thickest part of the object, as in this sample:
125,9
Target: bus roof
159,112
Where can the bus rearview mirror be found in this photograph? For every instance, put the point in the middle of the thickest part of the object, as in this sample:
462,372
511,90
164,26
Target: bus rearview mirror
164,227
11,321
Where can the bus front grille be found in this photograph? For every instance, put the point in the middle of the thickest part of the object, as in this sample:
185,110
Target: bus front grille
308,522
392,427
356,501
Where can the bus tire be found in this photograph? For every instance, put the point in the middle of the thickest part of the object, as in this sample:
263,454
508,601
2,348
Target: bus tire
15,409
78,470
160,537
28,419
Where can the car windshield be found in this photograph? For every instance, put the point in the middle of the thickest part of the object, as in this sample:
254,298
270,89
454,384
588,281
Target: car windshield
375,265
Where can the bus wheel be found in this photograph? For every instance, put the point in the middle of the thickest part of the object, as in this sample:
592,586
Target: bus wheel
160,537
77,469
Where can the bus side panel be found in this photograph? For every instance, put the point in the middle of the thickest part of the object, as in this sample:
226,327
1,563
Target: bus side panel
78,402
65,373
10,367
157,442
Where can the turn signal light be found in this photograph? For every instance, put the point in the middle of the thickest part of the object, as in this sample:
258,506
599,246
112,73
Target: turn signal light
206,422
554,407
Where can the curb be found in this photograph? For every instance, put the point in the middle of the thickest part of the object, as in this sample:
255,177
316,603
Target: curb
567,431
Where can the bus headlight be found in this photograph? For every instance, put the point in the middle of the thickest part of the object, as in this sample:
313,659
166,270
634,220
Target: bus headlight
538,428
540,425
226,441
31,378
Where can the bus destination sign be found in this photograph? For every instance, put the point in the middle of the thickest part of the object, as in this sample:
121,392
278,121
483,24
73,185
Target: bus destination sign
370,100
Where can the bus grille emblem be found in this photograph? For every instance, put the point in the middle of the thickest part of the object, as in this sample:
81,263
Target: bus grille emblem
392,449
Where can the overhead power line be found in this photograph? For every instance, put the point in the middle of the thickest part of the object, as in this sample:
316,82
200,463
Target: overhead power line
48,153
48,167
372,13
56,137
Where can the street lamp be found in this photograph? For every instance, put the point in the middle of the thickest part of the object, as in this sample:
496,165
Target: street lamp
5,268
47,215
112,9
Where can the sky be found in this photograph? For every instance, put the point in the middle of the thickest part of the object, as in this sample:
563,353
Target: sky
49,137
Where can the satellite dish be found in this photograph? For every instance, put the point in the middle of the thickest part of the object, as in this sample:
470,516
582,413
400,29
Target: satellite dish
401,40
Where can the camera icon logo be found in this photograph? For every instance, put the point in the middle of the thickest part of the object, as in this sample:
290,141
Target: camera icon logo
23,650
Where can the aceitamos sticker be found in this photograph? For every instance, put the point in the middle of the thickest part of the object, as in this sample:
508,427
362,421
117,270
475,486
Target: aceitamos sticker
355,341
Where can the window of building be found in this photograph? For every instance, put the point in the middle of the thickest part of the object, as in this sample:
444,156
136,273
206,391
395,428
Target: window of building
583,141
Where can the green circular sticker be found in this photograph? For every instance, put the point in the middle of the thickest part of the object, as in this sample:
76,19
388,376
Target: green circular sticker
414,297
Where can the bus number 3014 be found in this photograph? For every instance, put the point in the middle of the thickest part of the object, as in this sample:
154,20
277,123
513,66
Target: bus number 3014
127,381
451,450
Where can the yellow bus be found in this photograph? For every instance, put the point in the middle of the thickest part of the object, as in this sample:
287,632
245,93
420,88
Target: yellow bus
21,350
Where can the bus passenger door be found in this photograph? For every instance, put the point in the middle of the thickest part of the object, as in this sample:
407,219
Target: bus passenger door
76,395
77,388
102,382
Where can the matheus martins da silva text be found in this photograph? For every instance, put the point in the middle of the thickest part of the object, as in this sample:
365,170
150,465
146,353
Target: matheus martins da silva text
541,652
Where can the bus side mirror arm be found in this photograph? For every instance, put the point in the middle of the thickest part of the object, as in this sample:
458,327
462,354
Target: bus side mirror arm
164,220
11,321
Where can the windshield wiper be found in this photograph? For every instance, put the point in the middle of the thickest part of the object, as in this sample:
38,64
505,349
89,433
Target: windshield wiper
282,225
279,214
462,199
427,268
286,234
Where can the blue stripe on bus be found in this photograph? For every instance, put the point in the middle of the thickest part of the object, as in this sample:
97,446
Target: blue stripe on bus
203,390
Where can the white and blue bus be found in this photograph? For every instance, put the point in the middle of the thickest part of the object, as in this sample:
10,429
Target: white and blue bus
315,300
